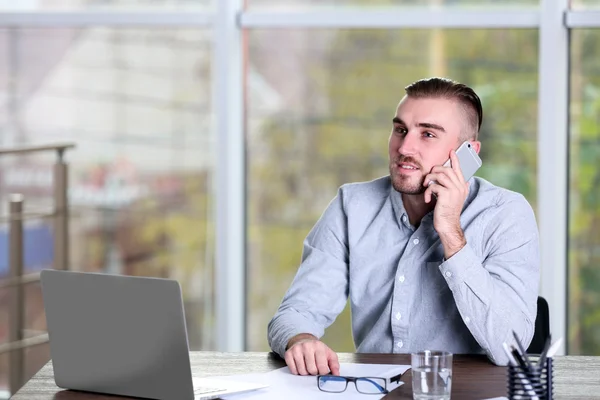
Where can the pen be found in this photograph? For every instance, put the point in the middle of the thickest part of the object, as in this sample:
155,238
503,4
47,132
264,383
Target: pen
511,359
519,359
542,359
522,349
554,348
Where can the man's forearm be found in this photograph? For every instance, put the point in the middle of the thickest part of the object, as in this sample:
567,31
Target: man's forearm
319,291
492,303
453,241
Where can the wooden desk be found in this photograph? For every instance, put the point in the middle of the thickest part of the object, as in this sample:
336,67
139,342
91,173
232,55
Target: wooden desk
473,376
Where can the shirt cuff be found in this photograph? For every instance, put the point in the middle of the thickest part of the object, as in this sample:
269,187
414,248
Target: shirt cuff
457,268
288,325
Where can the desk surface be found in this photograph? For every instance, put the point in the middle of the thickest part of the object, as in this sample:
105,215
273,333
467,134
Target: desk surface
473,376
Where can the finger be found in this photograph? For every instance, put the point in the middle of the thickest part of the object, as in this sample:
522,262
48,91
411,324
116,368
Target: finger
432,190
309,360
321,360
334,364
439,178
456,175
456,166
299,360
428,193
449,172
428,180
289,360
446,171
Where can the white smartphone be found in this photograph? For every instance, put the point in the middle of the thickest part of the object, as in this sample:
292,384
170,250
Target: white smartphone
469,160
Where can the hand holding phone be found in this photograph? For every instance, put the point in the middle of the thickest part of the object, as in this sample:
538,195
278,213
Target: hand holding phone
468,159
450,196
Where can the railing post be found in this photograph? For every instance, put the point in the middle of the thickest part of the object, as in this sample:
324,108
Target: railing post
61,208
16,292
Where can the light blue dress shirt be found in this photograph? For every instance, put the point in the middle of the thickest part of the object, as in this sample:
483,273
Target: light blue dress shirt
404,296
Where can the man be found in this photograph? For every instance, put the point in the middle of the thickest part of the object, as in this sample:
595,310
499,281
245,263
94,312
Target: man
457,271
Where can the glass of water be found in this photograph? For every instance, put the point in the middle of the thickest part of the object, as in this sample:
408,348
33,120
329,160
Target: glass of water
431,375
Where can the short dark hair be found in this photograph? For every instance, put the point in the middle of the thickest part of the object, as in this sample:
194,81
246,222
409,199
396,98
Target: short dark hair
447,88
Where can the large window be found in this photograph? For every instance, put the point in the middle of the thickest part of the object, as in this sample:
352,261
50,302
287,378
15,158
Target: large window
584,194
321,117
137,103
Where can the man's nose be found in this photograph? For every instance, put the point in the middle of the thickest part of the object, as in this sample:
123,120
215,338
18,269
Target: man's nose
409,144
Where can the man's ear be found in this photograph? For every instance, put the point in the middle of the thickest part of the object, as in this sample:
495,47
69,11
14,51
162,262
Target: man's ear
476,145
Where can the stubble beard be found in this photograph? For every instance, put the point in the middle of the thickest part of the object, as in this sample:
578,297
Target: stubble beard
405,184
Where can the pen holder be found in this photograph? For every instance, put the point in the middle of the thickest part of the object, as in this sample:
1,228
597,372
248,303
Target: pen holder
530,384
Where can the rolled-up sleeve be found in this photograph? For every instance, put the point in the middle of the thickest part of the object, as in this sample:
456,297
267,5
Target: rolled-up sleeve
497,294
319,290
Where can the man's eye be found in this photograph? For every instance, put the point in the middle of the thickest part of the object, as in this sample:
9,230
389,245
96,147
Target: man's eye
429,134
401,131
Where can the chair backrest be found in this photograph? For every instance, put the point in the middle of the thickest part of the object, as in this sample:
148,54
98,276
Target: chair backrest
542,327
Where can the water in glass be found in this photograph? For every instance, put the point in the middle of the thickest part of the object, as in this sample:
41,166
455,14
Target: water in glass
431,384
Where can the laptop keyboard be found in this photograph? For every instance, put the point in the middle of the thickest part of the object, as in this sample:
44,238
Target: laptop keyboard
205,390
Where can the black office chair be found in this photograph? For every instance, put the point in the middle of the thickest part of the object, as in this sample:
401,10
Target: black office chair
542,327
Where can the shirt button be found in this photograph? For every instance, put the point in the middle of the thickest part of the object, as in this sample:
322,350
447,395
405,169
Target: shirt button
404,218
401,279
416,241
448,274
400,344
467,320
398,316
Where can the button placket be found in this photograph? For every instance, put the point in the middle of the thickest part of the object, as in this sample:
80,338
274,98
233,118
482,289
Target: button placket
398,325
400,309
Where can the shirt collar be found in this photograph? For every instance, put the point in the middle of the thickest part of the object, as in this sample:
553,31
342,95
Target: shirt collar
399,210
402,215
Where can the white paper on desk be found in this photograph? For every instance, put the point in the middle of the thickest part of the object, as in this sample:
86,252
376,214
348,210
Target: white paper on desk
282,383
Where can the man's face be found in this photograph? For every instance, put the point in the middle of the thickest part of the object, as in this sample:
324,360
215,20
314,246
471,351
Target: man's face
424,131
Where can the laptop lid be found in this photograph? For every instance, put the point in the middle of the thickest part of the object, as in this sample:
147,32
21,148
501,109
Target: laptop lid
117,334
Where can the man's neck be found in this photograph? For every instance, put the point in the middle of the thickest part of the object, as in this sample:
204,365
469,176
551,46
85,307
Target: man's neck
416,208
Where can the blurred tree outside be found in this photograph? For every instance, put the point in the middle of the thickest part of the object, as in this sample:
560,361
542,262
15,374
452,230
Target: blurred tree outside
170,235
177,242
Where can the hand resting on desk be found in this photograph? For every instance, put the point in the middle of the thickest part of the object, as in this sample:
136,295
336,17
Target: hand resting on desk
306,355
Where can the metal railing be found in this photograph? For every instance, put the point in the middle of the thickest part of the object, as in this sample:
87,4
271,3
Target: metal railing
60,214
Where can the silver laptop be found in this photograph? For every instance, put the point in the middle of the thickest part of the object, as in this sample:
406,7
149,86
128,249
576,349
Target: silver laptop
123,335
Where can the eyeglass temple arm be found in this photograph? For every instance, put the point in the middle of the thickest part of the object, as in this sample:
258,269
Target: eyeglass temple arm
396,379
